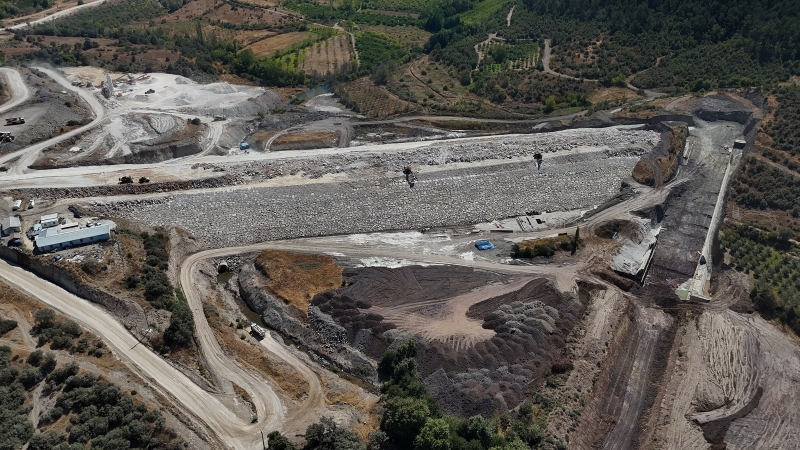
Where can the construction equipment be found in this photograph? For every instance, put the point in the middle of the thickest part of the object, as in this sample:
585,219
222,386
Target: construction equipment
75,211
411,177
6,136
219,118
244,145
144,180
126,180
15,120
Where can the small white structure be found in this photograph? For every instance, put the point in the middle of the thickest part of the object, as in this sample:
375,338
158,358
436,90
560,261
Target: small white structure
49,221
54,239
10,225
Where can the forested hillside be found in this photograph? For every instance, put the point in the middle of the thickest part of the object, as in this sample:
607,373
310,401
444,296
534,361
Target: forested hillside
762,242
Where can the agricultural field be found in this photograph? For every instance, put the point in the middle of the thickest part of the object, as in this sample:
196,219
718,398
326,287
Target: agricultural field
271,45
332,56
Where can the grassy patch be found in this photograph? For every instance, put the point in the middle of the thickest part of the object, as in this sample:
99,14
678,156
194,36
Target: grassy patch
298,277
484,10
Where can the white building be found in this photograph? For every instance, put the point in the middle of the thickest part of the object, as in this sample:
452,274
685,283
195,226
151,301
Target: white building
49,220
10,225
53,239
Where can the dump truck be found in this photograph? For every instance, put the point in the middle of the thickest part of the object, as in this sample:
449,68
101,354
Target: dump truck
15,120
126,180
6,136
144,180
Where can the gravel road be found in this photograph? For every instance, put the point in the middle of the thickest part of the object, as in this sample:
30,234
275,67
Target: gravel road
27,156
19,90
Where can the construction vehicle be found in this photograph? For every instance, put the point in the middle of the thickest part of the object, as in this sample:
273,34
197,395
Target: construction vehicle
6,136
219,118
144,180
75,211
126,180
244,145
15,120
31,204
411,177
17,205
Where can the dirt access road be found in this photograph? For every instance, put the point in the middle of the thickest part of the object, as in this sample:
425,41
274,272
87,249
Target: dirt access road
54,16
149,365
27,156
19,90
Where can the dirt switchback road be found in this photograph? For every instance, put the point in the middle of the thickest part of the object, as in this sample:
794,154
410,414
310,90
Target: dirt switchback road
268,404
27,156
19,90
160,373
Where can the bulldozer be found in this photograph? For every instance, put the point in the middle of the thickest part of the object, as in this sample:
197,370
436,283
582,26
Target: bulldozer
125,180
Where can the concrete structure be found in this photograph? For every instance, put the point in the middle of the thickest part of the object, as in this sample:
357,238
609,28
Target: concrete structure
49,220
10,225
53,239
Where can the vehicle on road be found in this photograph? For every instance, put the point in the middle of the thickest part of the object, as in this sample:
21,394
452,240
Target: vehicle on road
219,118
484,245
126,180
15,120
144,180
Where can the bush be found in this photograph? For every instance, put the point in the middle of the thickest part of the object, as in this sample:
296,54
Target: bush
180,332
6,325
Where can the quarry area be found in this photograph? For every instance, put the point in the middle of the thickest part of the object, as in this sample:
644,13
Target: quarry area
306,243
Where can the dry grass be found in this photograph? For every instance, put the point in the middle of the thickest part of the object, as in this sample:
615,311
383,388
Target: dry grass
23,303
244,395
558,241
298,277
644,173
610,94
305,140
288,379
270,45
365,403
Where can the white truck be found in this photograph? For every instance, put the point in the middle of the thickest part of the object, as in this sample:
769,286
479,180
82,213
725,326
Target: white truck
17,205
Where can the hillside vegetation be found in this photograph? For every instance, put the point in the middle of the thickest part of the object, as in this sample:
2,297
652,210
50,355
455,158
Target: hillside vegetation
765,191
682,45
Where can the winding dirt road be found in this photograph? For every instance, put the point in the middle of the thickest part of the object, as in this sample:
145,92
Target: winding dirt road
28,155
19,90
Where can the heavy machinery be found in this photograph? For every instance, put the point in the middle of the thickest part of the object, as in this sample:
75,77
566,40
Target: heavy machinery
6,136
126,180
411,177
219,118
144,180
15,120
75,212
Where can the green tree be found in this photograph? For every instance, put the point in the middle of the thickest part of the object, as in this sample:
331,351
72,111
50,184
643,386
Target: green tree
180,332
403,418
277,441
435,435
44,318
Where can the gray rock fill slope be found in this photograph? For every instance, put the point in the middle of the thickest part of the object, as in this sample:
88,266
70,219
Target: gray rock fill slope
443,198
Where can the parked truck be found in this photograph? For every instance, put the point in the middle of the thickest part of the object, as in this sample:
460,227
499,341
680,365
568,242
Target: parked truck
17,205
15,120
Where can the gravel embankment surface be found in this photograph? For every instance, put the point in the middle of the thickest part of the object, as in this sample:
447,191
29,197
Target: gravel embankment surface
442,198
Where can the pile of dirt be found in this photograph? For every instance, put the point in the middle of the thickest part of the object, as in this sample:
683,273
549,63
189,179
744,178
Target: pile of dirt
525,327
660,165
